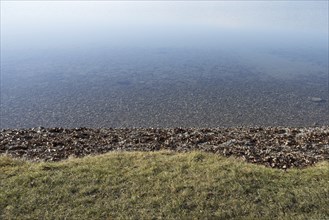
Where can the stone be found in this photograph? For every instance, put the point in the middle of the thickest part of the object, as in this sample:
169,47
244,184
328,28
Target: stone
271,146
317,99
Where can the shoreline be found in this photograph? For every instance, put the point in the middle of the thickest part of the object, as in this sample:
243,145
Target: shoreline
276,147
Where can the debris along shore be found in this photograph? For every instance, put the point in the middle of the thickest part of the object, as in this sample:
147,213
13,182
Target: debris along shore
277,147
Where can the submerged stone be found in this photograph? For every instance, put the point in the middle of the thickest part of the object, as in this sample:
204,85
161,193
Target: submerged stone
317,99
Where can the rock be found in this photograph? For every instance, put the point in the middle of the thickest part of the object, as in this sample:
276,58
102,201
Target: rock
317,99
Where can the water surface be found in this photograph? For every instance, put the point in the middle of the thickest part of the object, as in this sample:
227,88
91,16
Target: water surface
166,74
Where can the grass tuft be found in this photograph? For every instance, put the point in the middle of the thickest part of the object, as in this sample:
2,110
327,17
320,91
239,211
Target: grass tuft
148,185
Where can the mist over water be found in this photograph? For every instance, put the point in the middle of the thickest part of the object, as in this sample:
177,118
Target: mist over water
164,64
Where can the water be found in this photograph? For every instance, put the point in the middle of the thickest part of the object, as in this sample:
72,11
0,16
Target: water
163,88
166,76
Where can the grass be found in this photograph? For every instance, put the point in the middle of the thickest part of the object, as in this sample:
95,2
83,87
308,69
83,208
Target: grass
153,185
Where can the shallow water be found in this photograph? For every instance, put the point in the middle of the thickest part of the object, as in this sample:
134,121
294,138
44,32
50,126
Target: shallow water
164,87
164,63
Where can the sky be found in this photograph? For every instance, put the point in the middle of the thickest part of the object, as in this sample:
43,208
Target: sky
60,24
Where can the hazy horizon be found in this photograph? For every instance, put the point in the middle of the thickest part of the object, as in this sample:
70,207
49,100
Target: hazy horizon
82,24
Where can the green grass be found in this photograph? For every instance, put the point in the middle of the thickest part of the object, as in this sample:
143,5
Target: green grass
136,185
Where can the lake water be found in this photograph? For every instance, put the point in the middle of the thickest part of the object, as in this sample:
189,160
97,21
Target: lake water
164,87
167,69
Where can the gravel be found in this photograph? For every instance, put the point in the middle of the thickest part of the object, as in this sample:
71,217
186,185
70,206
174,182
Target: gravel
277,147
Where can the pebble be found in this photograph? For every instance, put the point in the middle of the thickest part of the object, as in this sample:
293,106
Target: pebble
316,99
277,147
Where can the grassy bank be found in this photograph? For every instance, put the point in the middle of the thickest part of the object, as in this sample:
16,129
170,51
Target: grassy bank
136,185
